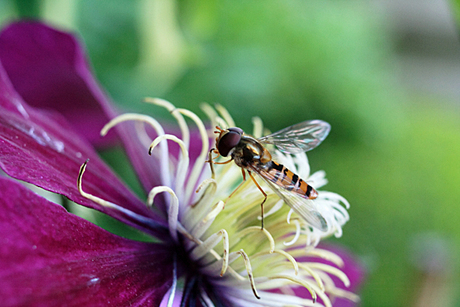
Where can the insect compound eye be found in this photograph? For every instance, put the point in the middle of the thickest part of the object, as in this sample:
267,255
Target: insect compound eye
236,129
229,140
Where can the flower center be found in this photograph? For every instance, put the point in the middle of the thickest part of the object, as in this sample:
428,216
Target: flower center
219,227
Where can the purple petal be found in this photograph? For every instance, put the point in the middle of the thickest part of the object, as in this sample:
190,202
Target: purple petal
49,69
43,66
43,150
49,257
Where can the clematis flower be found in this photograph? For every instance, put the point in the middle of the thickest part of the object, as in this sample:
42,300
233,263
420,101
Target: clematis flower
209,248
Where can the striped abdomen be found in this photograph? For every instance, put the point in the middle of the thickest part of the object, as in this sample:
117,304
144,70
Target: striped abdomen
282,176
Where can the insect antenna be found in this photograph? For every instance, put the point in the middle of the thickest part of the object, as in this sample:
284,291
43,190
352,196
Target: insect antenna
219,130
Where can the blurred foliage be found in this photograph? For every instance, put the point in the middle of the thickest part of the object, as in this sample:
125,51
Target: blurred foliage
456,9
318,60
27,8
397,192
393,156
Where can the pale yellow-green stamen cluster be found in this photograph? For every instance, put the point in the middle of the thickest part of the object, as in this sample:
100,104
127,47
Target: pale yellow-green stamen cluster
223,235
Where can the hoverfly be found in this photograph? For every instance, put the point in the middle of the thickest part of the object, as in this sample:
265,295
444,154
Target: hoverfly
250,154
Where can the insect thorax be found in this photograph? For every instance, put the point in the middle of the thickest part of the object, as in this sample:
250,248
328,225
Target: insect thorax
249,151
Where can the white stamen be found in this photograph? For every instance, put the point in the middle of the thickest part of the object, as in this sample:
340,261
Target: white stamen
242,297
345,294
206,299
180,120
210,113
222,123
279,204
195,220
226,252
334,196
213,267
313,274
233,176
297,234
158,129
194,213
174,112
215,119
225,115
209,244
258,127
172,293
337,232
312,239
247,264
204,224
298,281
208,183
142,134
327,280
331,270
181,172
325,254
257,229
303,166
285,254
105,203
323,296
318,179
339,212
232,272
200,161
289,216
173,209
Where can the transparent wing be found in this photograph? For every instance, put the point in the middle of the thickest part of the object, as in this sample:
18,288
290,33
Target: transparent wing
305,208
300,137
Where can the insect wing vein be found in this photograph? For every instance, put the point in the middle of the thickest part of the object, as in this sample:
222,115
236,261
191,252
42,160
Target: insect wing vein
305,208
300,137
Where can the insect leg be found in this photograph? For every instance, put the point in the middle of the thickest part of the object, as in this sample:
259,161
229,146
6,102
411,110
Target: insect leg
211,161
244,179
226,162
234,191
265,198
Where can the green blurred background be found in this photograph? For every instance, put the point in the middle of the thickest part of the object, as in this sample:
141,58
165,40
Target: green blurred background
385,74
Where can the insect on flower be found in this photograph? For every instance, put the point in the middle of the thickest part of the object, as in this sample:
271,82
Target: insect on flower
251,155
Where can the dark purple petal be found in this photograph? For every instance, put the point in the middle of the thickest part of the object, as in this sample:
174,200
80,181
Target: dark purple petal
44,67
49,257
43,150
49,69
